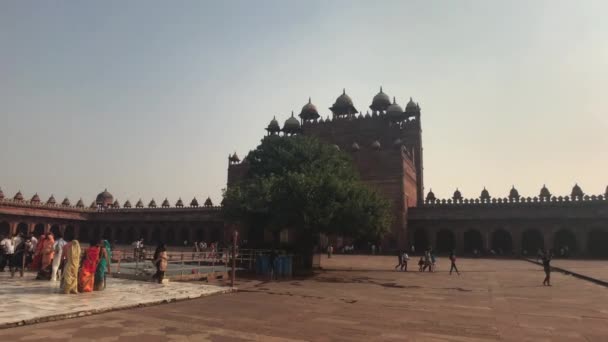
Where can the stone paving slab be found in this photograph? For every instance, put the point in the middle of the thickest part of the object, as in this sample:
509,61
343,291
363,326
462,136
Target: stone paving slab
26,300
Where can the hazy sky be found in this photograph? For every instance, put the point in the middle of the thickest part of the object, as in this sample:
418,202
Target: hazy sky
147,98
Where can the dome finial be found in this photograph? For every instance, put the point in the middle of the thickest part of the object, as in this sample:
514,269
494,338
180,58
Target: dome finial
292,113
381,89
394,100
343,91
309,100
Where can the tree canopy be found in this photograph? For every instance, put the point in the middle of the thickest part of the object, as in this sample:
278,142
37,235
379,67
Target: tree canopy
302,183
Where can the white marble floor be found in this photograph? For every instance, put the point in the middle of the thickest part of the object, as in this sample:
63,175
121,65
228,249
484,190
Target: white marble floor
26,300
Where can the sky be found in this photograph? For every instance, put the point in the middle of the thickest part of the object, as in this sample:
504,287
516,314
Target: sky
148,98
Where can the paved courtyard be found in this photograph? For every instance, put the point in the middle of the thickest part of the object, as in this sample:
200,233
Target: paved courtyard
362,299
26,300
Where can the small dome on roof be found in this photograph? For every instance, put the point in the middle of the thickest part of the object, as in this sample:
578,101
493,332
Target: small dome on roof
457,195
376,145
127,204
292,125
380,102
18,196
485,195
139,204
35,198
51,200
394,111
412,107
80,204
194,202
343,105
179,203
152,204
430,196
165,203
116,205
513,194
355,147
93,205
66,202
577,191
1,194
208,202
544,192
104,198
273,126
309,112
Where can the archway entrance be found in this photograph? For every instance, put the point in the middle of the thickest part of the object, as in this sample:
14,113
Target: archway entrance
564,239
598,243
129,235
69,233
421,240
38,230
22,228
107,234
446,241
5,229
531,241
84,234
185,235
55,230
502,243
472,241
156,236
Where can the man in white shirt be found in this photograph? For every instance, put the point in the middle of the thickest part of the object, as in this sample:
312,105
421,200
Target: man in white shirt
58,248
5,252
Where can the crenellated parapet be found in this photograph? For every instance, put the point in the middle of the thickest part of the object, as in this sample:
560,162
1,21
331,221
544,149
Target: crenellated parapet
577,197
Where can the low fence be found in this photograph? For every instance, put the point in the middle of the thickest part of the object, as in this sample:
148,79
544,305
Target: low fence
183,265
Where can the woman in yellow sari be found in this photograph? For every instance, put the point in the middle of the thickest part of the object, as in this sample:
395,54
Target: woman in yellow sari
70,270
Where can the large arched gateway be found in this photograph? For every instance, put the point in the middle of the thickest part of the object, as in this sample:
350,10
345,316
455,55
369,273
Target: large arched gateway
531,241
472,241
502,243
445,241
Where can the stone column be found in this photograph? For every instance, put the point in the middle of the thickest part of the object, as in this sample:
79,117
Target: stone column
62,228
30,228
13,227
486,242
432,238
47,228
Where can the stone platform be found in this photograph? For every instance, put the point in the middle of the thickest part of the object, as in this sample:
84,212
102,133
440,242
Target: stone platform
26,300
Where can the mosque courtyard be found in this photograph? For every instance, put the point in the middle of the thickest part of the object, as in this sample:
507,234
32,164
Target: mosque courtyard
356,298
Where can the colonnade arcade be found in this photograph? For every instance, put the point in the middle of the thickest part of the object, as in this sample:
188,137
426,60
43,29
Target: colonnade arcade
170,233
586,239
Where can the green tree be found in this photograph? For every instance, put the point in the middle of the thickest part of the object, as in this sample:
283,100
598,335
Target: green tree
302,183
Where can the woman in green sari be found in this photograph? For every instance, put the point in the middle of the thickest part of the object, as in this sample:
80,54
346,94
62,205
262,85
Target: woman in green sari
105,255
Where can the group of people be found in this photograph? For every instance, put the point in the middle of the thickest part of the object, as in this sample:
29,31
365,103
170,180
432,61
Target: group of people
58,260
427,262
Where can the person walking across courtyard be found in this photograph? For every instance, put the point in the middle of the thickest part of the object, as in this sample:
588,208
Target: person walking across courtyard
399,260
547,268
160,261
404,259
453,262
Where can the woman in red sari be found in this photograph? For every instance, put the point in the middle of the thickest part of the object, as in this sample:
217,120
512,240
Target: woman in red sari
86,277
37,260
47,252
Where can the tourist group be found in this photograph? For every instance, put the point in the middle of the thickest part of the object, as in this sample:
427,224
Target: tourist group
79,269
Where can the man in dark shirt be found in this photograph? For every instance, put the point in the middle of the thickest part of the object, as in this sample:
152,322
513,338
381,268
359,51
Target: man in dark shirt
272,258
547,268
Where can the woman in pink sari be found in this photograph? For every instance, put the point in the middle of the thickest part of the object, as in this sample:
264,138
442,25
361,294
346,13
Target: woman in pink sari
86,276
47,251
